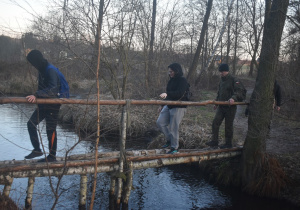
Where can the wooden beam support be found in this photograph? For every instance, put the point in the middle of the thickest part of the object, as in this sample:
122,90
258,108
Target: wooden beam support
112,190
83,192
128,186
30,186
7,187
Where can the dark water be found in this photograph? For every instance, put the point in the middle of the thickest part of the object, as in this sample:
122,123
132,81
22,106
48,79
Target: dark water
174,187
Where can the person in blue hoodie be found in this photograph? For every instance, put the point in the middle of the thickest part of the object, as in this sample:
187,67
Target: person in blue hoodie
49,86
171,116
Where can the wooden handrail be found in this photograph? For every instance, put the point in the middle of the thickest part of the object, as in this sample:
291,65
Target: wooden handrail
19,100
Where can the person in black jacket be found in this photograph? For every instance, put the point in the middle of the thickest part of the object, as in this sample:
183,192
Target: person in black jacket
171,115
230,89
48,87
277,96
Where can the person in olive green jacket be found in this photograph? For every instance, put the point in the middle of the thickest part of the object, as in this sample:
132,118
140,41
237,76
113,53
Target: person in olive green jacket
232,90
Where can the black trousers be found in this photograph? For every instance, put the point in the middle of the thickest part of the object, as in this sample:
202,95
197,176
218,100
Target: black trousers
227,112
50,114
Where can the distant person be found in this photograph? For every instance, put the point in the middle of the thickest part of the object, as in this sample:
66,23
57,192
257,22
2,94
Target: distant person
230,89
277,98
51,84
171,115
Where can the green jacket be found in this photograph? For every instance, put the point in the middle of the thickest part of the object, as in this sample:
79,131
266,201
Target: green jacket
230,87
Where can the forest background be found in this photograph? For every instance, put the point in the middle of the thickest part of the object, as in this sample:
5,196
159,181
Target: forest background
139,39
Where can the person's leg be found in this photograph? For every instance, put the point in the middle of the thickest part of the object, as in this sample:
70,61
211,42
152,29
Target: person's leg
176,116
51,124
229,118
219,117
163,122
37,116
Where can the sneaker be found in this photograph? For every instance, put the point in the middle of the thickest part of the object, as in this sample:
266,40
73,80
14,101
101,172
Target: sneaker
34,153
225,146
172,151
49,158
212,143
166,145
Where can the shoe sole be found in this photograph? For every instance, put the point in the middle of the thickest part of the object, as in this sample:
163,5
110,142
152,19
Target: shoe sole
173,152
44,161
38,155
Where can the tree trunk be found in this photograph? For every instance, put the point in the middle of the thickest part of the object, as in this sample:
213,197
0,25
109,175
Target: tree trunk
254,156
193,67
235,39
98,41
257,33
210,60
151,68
228,41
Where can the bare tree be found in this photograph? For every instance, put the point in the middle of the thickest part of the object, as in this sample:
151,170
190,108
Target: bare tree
236,34
255,161
255,11
192,70
219,41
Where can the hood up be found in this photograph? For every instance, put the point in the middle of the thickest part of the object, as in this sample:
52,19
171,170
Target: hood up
36,59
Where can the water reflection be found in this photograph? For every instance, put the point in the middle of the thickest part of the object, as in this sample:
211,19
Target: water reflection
15,139
15,144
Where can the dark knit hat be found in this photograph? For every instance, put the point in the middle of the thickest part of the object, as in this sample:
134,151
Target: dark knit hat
36,58
223,67
176,67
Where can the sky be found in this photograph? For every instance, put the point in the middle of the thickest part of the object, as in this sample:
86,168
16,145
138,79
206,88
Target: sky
16,15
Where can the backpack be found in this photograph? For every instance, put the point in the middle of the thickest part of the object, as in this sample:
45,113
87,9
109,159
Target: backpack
242,92
188,93
64,87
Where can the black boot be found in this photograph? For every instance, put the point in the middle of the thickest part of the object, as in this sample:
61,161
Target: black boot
49,158
212,143
226,146
34,153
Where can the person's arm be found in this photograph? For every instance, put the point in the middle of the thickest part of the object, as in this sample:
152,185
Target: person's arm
278,96
247,111
217,98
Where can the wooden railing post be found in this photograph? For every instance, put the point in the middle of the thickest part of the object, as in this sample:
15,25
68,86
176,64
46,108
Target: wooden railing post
83,192
122,152
8,182
112,190
128,186
28,200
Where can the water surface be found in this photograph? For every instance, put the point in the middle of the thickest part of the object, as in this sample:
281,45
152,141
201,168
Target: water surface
173,187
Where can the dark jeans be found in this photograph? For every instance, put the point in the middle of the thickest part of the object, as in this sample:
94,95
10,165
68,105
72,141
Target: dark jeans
50,114
227,112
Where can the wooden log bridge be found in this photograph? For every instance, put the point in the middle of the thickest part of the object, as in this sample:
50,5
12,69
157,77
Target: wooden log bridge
116,163
107,162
